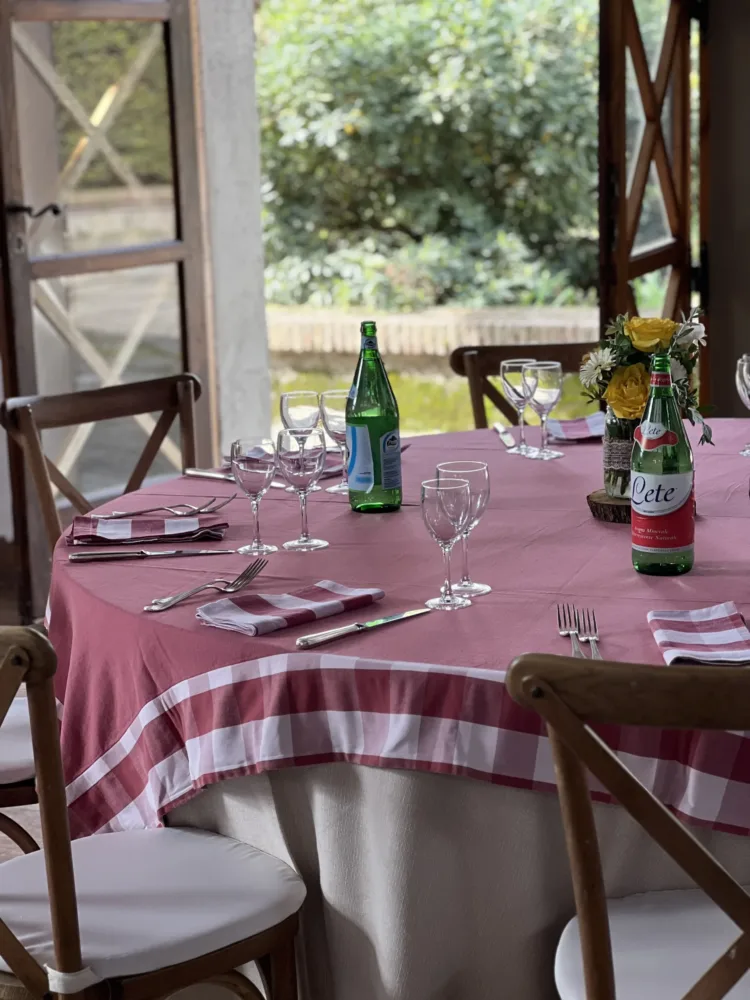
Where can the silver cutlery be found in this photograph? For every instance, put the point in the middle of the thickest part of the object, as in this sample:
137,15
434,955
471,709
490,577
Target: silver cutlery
504,434
226,477
589,633
223,586
114,556
318,638
178,510
567,625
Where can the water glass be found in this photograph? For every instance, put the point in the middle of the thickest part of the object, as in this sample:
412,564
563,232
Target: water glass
446,507
253,462
478,477
742,381
544,381
515,391
333,411
301,459
300,411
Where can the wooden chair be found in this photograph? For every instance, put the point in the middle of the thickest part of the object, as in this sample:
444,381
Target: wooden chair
477,364
652,946
156,910
25,416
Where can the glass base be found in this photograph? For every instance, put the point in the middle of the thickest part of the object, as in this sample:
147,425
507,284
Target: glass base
257,549
547,455
746,451
305,545
447,603
471,589
339,488
520,449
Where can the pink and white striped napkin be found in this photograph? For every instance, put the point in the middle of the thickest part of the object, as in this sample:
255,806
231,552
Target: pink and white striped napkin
580,429
707,635
129,530
256,614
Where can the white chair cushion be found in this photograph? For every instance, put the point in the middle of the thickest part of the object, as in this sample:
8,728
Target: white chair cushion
662,943
16,753
148,899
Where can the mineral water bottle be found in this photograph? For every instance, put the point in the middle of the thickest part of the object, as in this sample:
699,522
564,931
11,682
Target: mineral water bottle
372,436
662,483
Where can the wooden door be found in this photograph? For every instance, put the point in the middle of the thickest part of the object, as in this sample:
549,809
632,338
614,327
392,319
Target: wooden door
101,234
646,121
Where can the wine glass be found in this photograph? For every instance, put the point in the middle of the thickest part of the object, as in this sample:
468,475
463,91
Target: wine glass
301,459
515,391
742,381
446,506
333,411
300,414
253,467
544,380
478,478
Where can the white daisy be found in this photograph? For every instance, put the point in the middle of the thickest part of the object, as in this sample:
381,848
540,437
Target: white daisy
599,361
679,371
693,333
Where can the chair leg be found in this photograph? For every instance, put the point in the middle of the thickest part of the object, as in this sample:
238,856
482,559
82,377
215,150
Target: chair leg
236,983
283,972
17,834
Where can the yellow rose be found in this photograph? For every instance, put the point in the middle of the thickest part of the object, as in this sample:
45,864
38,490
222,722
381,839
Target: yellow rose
648,334
627,391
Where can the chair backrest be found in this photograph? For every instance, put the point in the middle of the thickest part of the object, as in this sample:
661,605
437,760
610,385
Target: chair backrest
27,656
570,694
477,364
24,417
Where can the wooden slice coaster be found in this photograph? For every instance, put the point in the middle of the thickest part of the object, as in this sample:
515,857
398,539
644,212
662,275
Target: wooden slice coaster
607,508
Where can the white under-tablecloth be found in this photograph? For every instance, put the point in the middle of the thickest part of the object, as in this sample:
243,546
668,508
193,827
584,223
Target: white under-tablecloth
430,887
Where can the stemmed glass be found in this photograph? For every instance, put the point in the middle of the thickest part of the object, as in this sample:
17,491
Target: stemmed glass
253,467
300,414
478,478
333,411
446,506
544,380
515,391
742,381
301,459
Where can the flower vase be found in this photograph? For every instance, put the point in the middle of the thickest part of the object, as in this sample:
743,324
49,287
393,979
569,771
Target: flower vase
618,448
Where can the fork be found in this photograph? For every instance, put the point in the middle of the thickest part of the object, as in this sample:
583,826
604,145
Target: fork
223,586
188,510
567,625
589,633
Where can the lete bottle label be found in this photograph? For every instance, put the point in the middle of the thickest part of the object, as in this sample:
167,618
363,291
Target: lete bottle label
663,512
361,470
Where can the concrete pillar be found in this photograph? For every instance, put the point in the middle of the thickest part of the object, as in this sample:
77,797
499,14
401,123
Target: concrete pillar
234,236
729,237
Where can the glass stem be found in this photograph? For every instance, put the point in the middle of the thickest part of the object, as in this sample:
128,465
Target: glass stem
305,535
344,463
521,429
465,578
256,518
543,421
448,590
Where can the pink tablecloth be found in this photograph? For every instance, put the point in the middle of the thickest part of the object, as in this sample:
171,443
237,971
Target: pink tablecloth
155,707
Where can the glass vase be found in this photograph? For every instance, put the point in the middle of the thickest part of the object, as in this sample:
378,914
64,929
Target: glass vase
618,448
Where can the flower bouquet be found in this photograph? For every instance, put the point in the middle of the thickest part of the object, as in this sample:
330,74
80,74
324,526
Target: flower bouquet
618,373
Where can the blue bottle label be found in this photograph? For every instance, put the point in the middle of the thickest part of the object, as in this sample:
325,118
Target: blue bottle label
369,344
361,466
390,460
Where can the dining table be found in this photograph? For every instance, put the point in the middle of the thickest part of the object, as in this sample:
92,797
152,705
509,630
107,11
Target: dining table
391,768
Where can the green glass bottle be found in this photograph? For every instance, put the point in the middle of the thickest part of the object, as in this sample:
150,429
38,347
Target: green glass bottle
372,436
662,483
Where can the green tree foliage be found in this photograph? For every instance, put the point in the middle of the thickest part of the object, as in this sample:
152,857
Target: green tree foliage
428,150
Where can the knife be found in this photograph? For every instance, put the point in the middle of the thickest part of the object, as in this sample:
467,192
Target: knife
318,638
504,434
143,554
225,476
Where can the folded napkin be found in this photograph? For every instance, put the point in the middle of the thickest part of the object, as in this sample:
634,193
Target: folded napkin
127,530
256,614
580,429
708,635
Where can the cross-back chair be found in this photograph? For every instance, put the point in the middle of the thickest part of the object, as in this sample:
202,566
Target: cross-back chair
655,945
24,417
478,364
155,911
